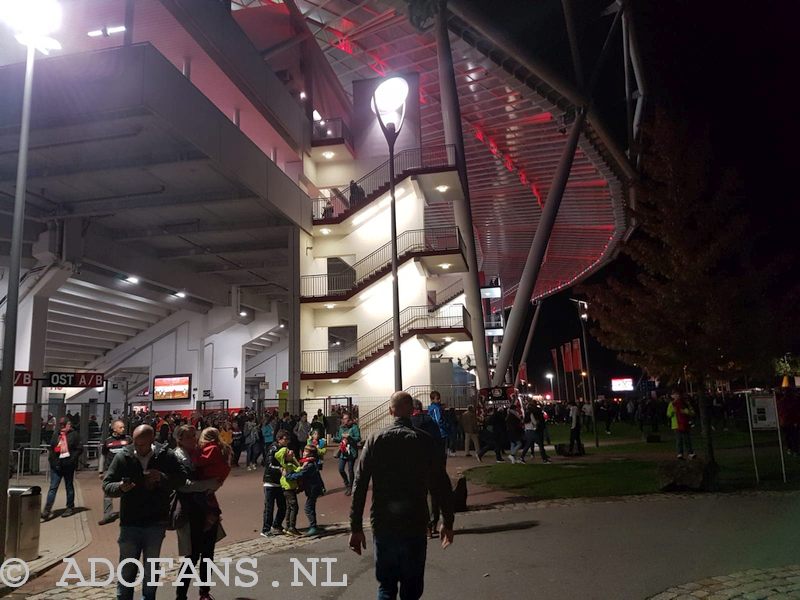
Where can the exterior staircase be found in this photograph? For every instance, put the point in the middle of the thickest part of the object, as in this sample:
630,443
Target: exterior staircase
343,203
414,320
368,270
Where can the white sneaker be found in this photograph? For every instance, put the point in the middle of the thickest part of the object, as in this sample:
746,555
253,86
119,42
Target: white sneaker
512,459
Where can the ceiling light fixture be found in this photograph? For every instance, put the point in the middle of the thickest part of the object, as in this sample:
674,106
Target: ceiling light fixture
334,381
445,266
132,279
442,188
330,306
448,339
281,326
242,313
325,231
328,154
180,294
302,95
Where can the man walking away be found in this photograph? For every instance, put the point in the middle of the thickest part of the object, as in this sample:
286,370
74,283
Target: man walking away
469,423
437,414
65,448
401,461
143,476
423,421
113,445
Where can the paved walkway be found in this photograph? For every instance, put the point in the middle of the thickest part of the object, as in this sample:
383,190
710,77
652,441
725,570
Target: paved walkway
754,584
623,548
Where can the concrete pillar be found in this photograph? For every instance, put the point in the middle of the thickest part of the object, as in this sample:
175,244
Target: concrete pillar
453,134
295,393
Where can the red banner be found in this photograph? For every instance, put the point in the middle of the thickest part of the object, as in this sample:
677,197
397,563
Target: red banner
566,356
523,372
554,354
577,359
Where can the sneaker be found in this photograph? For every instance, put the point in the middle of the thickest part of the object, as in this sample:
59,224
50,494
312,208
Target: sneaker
521,461
500,462
692,456
292,532
106,520
46,514
348,490
266,534
311,532
277,531
68,512
512,459
479,457
547,461
680,456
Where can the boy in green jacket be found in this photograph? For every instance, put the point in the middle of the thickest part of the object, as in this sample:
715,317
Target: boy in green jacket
286,459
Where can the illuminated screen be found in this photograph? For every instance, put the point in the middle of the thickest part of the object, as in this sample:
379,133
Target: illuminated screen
622,385
491,292
172,387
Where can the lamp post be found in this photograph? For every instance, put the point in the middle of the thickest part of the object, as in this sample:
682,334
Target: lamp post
552,391
389,105
32,23
583,314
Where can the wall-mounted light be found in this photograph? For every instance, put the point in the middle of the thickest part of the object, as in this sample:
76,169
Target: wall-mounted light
302,95
242,313
448,339
330,306
132,279
106,31
180,294
334,381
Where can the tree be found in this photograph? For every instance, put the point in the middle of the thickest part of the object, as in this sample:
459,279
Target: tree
693,296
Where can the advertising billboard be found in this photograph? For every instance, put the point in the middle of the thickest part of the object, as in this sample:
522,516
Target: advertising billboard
172,387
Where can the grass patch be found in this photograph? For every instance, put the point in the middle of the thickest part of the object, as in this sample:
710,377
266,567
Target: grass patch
570,480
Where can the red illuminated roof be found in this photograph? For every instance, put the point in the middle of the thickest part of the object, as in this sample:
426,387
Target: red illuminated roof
514,128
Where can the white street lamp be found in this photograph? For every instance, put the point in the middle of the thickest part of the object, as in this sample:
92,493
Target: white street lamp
32,21
389,105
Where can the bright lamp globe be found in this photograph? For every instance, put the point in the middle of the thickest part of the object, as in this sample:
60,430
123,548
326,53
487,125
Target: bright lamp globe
391,94
31,18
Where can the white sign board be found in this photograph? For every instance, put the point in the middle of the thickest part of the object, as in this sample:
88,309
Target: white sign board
763,412
624,384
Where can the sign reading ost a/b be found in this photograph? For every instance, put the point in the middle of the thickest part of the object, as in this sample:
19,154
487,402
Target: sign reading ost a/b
77,380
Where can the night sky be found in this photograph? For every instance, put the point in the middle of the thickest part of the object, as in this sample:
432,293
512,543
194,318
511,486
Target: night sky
732,65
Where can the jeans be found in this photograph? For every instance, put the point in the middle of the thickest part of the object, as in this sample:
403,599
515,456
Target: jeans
533,437
203,543
683,439
471,437
311,510
253,452
273,496
140,543
292,508
515,445
347,476
400,560
56,475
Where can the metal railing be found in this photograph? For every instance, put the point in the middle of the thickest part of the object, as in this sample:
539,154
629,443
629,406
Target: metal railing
453,396
451,292
416,241
413,318
376,182
330,131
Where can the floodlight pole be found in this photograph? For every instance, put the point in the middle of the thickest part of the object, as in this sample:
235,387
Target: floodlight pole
391,133
12,300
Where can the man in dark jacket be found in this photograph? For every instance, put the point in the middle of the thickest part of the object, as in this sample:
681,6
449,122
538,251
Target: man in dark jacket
403,464
65,448
144,476
113,445
273,493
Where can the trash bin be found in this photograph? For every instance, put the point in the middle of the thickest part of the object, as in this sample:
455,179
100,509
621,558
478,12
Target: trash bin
22,525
